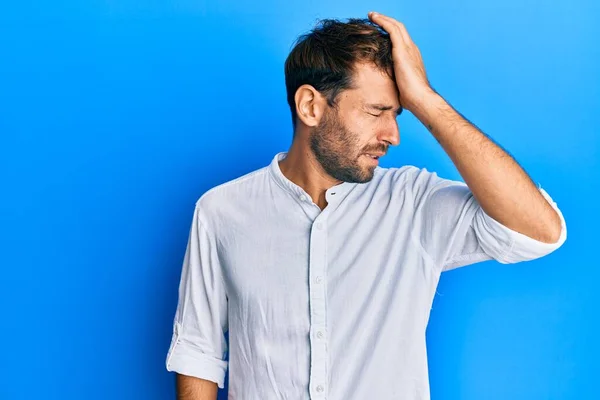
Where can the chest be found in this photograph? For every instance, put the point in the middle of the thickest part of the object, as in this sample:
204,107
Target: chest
276,262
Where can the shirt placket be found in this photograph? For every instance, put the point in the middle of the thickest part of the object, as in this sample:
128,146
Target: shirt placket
319,356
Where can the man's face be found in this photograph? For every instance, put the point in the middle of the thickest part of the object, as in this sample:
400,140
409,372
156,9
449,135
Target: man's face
349,140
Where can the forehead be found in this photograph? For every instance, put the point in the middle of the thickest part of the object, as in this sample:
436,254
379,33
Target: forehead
373,86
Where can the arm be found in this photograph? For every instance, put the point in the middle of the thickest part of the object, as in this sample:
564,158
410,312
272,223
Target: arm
198,348
192,388
500,185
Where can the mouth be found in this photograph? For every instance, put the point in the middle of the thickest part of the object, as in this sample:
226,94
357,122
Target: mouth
373,157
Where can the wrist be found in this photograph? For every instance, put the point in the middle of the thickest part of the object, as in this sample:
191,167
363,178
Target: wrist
426,105
421,100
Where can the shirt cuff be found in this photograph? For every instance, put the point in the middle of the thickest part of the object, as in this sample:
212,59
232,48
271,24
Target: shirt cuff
186,358
523,247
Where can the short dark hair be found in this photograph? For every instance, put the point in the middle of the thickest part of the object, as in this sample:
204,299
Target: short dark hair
326,56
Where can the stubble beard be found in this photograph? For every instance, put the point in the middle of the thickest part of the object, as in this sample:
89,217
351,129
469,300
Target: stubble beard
336,149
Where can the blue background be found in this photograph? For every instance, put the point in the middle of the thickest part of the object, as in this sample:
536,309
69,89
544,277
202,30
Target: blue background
115,116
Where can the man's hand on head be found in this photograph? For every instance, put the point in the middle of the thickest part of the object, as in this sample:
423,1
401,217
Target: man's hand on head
409,69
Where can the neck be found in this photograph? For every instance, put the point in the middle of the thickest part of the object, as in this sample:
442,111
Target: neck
301,167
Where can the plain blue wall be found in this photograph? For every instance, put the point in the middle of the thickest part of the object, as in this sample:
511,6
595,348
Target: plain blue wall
115,116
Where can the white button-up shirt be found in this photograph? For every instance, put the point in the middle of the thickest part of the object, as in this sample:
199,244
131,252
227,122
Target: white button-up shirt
327,304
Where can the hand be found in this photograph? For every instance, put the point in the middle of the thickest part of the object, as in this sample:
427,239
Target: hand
409,70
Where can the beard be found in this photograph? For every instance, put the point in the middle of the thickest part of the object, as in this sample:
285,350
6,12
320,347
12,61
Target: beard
337,149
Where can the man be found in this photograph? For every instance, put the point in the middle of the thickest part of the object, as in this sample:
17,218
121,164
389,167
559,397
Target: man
323,266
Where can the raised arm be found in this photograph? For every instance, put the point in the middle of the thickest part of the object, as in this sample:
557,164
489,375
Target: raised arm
500,185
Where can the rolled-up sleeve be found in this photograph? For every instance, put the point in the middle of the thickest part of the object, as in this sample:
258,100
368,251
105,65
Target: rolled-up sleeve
516,246
198,346
455,230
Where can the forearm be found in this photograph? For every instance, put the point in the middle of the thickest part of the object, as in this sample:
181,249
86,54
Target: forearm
500,185
191,388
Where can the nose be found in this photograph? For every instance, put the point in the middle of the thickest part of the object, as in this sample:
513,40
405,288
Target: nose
391,134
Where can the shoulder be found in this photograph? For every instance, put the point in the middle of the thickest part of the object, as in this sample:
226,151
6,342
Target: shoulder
227,196
402,178
412,184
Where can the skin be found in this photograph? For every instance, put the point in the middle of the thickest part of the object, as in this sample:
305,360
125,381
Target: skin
500,185
192,388
342,151
331,144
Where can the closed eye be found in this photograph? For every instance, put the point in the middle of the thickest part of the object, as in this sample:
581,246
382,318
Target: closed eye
383,107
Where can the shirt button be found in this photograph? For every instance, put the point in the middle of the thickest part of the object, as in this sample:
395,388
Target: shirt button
320,334
319,225
319,279
320,388
302,197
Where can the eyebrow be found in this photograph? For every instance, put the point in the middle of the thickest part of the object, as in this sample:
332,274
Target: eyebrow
383,107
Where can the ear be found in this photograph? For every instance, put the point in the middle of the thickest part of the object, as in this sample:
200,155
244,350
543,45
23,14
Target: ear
310,105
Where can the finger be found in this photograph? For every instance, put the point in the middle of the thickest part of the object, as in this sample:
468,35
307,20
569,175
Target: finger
399,26
390,21
390,25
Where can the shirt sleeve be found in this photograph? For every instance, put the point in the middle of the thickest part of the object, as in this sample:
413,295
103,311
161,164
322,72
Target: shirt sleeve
198,346
455,231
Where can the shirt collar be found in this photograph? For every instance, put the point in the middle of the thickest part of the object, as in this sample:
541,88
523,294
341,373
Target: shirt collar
339,190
